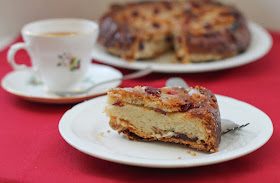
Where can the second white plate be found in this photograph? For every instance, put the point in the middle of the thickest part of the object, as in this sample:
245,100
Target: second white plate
260,44
86,128
21,83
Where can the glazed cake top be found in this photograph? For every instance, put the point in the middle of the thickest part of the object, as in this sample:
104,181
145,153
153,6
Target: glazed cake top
174,99
200,16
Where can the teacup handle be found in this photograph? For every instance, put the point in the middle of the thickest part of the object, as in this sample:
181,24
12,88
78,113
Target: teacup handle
11,56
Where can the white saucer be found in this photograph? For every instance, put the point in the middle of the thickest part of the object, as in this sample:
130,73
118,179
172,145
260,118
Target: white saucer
21,83
86,128
260,44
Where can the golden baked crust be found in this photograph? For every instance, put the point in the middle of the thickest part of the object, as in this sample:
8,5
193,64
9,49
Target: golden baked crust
198,30
198,105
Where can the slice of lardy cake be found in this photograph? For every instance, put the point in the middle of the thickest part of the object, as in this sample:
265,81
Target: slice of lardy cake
190,117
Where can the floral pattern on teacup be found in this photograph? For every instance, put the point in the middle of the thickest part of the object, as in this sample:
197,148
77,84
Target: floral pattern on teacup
69,60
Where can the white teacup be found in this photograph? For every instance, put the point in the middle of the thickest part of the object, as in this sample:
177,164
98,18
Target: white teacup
60,50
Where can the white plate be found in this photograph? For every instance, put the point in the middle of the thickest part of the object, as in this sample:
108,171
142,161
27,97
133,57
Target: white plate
21,83
260,44
83,125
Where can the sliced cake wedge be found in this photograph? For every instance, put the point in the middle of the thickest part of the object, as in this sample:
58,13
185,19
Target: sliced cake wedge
190,117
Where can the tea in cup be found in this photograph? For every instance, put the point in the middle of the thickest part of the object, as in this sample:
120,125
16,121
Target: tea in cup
60,51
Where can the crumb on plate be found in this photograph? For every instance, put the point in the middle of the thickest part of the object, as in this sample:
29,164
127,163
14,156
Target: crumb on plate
193,154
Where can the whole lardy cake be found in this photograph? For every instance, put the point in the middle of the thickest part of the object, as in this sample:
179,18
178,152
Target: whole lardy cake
197,30
190,117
